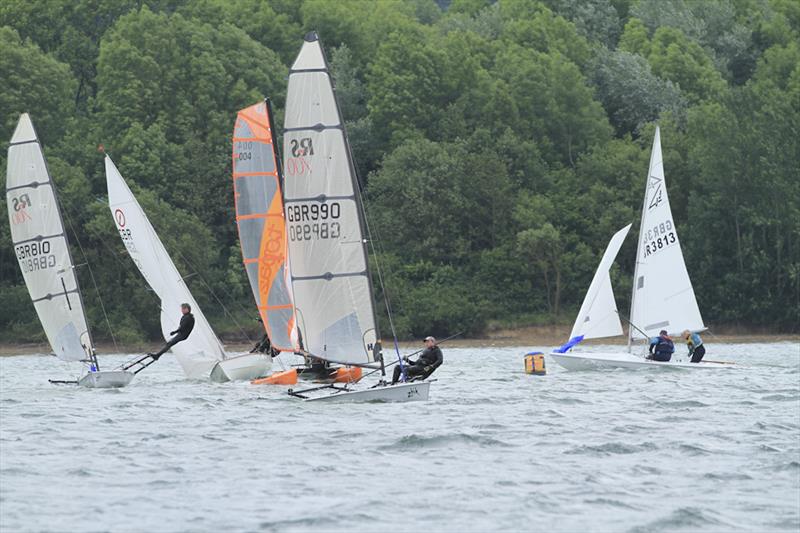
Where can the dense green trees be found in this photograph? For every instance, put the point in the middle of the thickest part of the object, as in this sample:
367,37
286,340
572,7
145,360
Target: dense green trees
501,145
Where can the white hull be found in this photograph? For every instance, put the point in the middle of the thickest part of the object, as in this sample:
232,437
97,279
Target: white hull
112,379
402,392
241,367
595,361
196,366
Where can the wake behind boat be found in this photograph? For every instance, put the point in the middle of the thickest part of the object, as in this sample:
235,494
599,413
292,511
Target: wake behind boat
42,249
663,297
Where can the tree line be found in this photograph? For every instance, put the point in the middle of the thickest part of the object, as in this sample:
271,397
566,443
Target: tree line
499,144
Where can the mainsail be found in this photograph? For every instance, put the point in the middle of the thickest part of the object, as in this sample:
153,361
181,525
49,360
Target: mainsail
598,316
259,218
40,243
663,297
331,283
197,354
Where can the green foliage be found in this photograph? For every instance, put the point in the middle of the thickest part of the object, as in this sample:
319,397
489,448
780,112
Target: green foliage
501,145
32,80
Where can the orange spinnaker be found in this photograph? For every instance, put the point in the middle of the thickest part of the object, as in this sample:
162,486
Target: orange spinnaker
288,377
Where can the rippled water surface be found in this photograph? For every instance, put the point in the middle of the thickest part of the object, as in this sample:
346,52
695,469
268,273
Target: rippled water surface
652,450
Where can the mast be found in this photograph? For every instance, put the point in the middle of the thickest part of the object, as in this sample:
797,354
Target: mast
639,239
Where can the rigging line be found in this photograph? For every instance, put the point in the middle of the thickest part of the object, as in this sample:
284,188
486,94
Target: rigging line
378,268
210,290
361,196
91,274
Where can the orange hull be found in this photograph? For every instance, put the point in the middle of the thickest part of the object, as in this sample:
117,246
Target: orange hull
347,375
288,377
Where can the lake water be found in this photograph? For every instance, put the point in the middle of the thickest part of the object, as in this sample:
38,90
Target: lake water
494,449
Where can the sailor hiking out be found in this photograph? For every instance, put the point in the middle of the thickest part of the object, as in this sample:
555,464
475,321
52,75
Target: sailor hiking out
695,344
181,334
661,347
428,361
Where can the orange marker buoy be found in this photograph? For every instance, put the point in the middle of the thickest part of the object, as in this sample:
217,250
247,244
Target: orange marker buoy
347,374
534,364
288,377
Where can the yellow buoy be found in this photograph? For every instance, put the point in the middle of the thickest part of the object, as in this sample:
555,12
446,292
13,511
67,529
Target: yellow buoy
534,364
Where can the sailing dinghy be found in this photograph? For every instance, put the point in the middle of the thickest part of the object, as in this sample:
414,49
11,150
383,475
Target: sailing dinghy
42,249
327,237
663,297
201,355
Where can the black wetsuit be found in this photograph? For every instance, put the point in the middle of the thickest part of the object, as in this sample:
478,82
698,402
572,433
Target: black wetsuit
429,360
265,346
181,334
661,349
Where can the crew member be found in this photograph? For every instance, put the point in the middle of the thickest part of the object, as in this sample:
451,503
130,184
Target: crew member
429,360
661,347
181,334
695,344
265,345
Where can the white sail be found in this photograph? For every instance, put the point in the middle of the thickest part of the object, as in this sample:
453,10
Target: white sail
328,258
663,297
201,351
41,246
598,316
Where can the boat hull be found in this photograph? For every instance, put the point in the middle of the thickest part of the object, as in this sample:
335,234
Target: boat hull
241,367
599,361
112,379
402,392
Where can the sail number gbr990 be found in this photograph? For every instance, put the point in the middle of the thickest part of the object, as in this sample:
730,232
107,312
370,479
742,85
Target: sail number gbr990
307,222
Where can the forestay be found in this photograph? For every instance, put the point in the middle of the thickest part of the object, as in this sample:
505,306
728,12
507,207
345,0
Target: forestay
663,297
202,349
327,251
259,218
598,316
41,246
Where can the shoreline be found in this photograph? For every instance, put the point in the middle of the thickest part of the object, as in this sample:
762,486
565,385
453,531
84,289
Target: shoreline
542,337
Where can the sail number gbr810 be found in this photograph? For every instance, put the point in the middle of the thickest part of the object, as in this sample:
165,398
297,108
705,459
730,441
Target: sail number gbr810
316,220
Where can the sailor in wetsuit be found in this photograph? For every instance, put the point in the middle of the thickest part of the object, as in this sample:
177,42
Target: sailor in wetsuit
181,334
661,347
429,360
265,346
